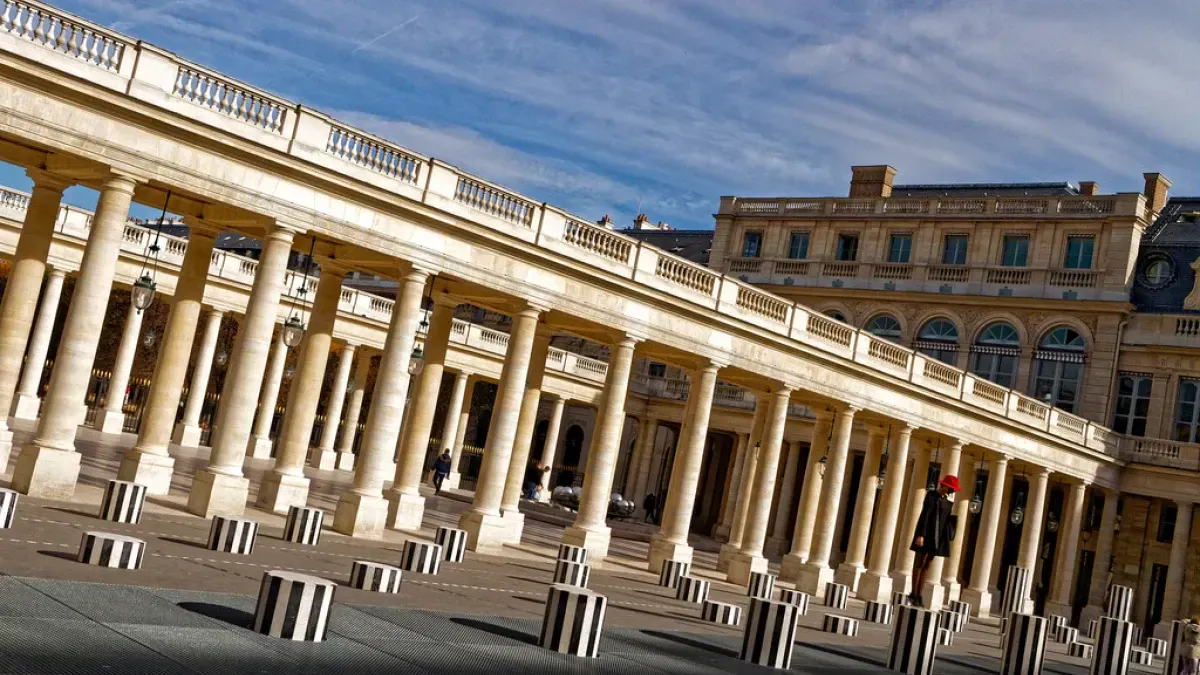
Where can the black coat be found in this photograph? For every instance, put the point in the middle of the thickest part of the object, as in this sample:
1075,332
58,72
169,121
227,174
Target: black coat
442,466
936,525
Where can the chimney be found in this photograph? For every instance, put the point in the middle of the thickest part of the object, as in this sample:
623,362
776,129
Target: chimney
605,222
1088,188
1156,192
642,222
871,181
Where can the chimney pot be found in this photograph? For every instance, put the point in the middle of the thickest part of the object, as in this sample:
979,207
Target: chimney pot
1157,186
1088,188
871,181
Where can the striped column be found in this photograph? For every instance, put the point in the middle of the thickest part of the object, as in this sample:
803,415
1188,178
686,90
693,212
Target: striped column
762,585
1016,590
914,647
232,535
1114,643
1120,602
303,525
1024,645
8,508
375,577
293,606
770,634
571,574
692,590
453,542
111,550
573,621
123,502
721,612
668,577
421,557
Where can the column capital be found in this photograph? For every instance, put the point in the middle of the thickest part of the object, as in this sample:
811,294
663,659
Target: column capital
444,299
58,272
199,227
331,266
876,429
823,415
45,180
120,182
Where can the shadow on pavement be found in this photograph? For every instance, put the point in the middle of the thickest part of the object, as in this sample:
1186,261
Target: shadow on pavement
502,631
184,542
65,555
690,642
229,615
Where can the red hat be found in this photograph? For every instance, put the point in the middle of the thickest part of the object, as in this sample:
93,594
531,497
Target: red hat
950,482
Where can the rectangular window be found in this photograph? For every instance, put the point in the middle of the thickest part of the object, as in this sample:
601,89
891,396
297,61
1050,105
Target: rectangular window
1079,252
955,250
1166,523
900,248
1185,411
847,247
1016,251
657,369
752,245
798,246
1133,404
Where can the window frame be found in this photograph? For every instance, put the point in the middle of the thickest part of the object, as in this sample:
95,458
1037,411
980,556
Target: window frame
965,238
1021,238
906,249
1077,238
758,243
792,238
1126,422
1176,419
838,251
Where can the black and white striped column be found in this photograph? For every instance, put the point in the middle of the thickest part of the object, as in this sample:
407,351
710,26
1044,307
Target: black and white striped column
770,633
721,612
1157,647
421,557
111,550
799,599
1024,645
8,507
899,598
841,625
232,535
671,571
762,585
961,608
1120,602
1092,629
123,502
1114,643
1016,591
914,641
575,554
573,621
572,574
945,637
1056,622
692,589
878,612
836,595
952,621
1080,650
293,606
1141,657
453,542
1174,647
376,577
303,525
1066,635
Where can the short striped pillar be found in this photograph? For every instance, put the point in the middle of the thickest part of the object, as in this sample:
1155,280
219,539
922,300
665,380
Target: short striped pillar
1174,647
762,585
575,554
945,637
111,550
8,507
303,525
573,621
572,574
1137,635
961,608
878,612
671,571
952,621
1024,645
1114,643
836,595
692,589
1016,591
375,577
770,633
1120,603
799,599
1080,650
123,502
232,535
1092,628
1057,622
723,613
421,557
293,606
899,598
1157,647
841,625
1065,635
453,542
914,641
1141,657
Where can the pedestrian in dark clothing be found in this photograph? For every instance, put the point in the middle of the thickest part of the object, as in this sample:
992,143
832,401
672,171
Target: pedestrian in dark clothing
650,504
935,529
441,469
533,476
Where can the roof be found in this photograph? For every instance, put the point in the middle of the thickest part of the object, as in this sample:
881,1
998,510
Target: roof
1174,238
693,245
985,190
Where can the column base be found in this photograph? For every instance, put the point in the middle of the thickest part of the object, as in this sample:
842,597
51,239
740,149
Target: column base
6,438
934,595
345,461
662,550
953,591
279,492
514,526
361,516
1089,613
404,512
813,579
777,545
789,568
849,574
874,587
727,554
186,435
721,532
485,531
323,460
143,468
218,494
46,472
742,565
453,480
1064,609
595,541
259,448
980,601
111,422
902,581
27,407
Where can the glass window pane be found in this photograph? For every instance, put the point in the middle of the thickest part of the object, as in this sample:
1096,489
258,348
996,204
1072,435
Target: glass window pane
752,244
1015,252
955,252
847,247
1079,253
900,248
798,248
1138,428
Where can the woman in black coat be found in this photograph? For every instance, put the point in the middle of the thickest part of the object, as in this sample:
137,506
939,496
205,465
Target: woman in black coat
935,529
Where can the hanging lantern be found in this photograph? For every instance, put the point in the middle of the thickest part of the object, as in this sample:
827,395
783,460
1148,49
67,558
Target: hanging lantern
293,331
1018,516
416,362
289,371
821,465
1052,524
149,338
222,357
142,293
975,505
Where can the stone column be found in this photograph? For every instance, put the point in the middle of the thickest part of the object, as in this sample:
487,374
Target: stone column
362,371
816,573
1103,559
635,457
876,584
148,463
259,444
978,593
463,419
810,499
454,410
483,522
221,488
732,487
934,593
997,570
903,568
111,419
590,530
671,542
49,466
286,485
362,511
647,435
778,542
851,570
28,402
1175,589
187,432
962,509
325,457
1031,533
750,558
514,483
1064,574
749,469
406,506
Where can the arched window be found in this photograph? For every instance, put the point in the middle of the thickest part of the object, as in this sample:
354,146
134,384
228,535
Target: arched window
938,339
834,314
995,354
1058,368
885,326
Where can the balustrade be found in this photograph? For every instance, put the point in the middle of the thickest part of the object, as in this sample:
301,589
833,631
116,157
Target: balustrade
598,240
1009,276
229,99
493,201
951,273
686,274
374,155
44,26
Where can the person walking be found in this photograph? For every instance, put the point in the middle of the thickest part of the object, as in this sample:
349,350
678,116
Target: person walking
533,476
935,528
441,469
650,505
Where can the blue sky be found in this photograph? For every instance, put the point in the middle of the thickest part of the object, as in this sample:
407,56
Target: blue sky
621,106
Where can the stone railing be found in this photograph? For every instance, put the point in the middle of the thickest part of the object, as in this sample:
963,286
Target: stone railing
1159,452
1008,276
59,31
598,240
374,155
1058,207
1073,278
1166,330
232,100
493,200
